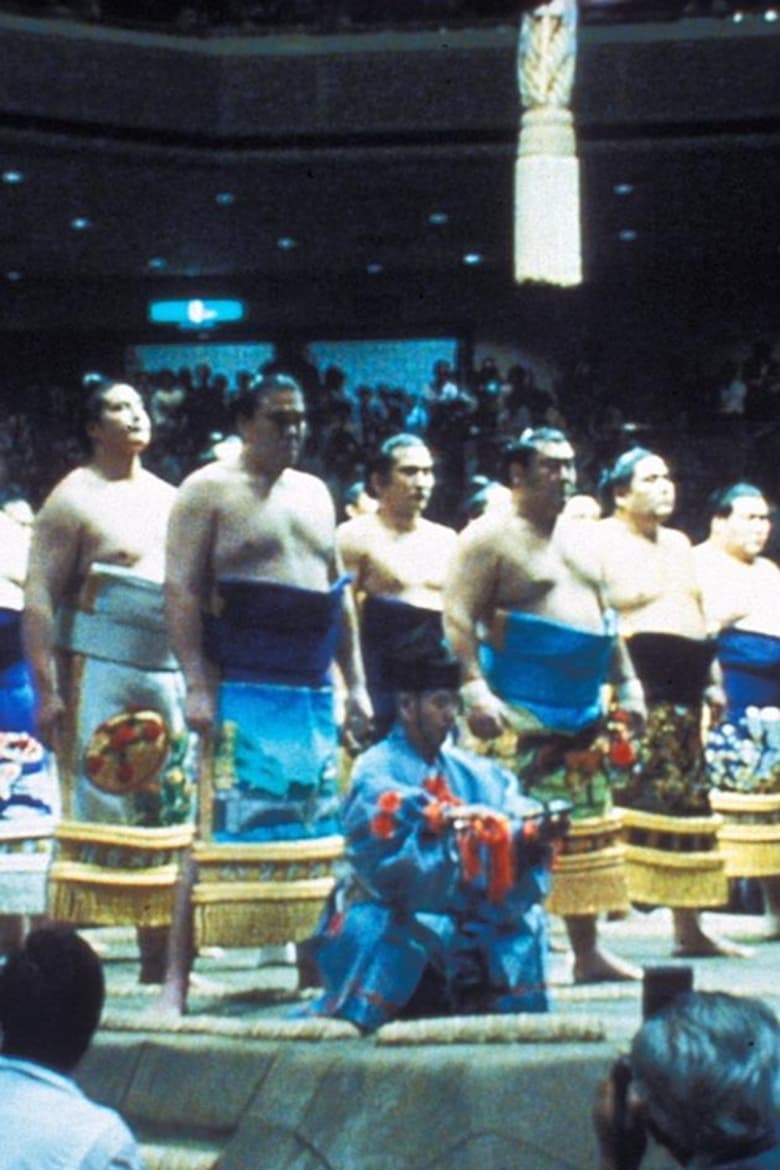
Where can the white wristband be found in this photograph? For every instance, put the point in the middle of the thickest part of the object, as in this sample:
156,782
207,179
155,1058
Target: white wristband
475,692
630,690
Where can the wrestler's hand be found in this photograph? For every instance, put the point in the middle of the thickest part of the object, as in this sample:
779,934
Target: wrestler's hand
200,710
358,719
50,720
619,1130
630,697
484,710
715,698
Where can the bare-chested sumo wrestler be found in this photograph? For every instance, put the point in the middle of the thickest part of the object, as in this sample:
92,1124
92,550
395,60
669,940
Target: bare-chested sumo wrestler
96,639
398,561
258,610
524,612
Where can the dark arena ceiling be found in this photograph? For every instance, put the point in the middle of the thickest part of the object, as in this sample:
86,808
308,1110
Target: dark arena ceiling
318,155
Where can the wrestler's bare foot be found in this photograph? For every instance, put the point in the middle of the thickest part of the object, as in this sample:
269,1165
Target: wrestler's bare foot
602,967
707,947
692,942
169,1006
770,889
771,926
592,964
152,949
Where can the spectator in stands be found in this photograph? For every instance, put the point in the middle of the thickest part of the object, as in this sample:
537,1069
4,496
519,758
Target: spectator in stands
703,1078
51,998
358,502
340,450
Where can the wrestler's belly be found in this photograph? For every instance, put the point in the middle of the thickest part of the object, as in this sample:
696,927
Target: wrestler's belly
681,617
767,624
302,572
569,600
420,596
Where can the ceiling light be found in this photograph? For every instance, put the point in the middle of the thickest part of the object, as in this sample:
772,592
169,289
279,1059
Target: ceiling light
473,258
80,223
770,15
627,235
157,263
438,218
286,243
13,177
623,188
374,267
738,17
13,275
225,199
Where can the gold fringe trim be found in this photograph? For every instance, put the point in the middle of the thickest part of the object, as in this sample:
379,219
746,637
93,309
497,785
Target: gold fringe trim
99,898
515,1028
590,884
233,922
76,832
750,848
589,873
677,880
745,803
659,823
264,893
293,852
675,875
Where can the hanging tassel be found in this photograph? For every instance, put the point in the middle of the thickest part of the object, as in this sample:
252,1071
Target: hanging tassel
547,172
493,833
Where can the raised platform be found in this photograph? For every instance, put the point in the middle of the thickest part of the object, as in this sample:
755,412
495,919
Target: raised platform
241,1080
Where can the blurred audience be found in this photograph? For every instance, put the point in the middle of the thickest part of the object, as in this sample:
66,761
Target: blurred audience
51,1000
703,1079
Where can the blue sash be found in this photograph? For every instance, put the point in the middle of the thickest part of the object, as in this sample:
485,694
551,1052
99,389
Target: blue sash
17,698
267,632
552,670
751,670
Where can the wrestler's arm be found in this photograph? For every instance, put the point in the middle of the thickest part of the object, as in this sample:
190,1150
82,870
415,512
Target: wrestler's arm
722,607
358,714
350,549
628,691
468,596
187,557
52,570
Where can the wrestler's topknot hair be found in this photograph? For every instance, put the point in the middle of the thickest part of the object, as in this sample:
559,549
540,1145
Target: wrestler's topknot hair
265,383
620,474
381,463
721,502
95,387
523,449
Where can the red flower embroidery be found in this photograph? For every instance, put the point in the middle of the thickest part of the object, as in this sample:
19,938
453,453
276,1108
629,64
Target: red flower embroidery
122,736
621,753
383,825
434,816
389,802
125,773
437,786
